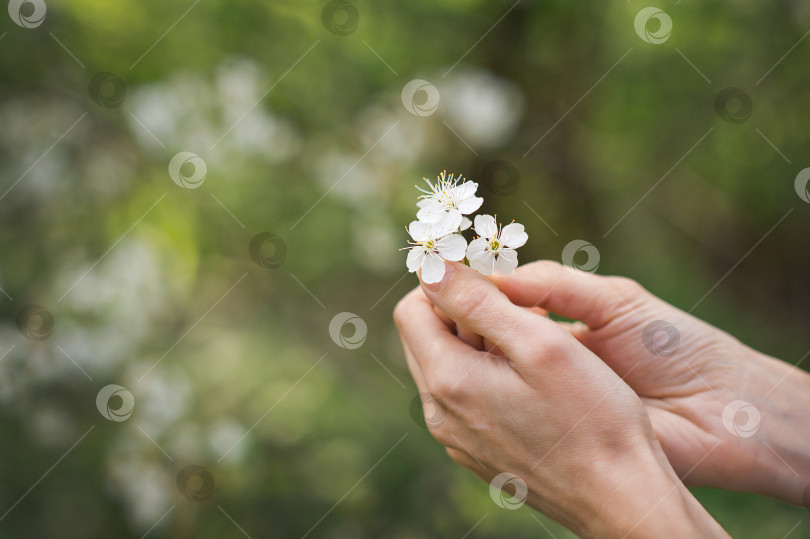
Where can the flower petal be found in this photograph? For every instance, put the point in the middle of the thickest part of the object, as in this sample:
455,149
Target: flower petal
469,205
432,269
452,247
485,226
506,261
450,222
419,230
465,223
431,213
476,248
485,264
466,190
514,236
416,257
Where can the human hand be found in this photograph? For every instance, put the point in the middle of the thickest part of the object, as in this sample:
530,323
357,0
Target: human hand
547,410
687,373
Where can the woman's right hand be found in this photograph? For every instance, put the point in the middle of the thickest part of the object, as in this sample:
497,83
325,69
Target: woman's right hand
548,414
725,415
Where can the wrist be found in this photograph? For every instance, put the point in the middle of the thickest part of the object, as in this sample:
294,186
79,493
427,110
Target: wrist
781,459
643,497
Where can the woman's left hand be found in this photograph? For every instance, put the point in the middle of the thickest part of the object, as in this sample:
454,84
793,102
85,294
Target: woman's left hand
545,409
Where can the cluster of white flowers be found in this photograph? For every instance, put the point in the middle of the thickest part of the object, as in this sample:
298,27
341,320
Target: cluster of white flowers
441,218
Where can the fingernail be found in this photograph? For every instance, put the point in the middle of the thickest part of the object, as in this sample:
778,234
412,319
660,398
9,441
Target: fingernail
449,270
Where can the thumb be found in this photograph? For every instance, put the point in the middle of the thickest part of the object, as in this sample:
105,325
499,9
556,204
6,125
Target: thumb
476,304
572,293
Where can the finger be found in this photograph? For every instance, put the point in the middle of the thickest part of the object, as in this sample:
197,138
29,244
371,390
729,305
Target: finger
578,329
463,458
492,348
444,318
570,292
537,310
435,349
413,366
473,339
476,304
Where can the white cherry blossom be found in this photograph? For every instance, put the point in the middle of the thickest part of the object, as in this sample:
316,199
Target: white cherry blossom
494,250
448,201
433,243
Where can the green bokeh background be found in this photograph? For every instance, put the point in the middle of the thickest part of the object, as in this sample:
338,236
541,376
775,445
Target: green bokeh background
137,271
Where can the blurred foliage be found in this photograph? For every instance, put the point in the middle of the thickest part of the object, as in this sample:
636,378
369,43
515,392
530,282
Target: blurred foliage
305,136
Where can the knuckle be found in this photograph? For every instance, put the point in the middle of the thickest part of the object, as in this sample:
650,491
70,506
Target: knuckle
456,456
403,308
626,287
555,347
440,385
469,300
540,266
445,384
439,433
399,312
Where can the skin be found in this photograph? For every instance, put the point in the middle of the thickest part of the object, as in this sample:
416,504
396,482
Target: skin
604,431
